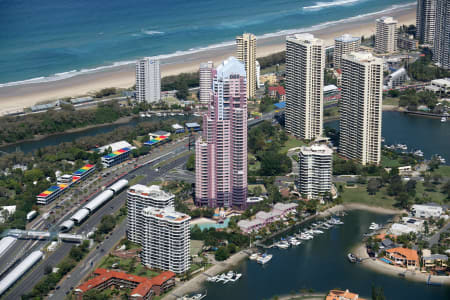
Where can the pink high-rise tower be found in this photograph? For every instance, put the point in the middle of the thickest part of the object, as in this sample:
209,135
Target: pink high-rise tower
221,152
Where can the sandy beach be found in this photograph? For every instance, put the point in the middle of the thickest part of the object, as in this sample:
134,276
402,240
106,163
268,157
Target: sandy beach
13,98
359,206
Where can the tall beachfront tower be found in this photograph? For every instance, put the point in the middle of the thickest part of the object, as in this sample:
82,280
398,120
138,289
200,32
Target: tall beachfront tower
246,52
221,152
344,45
305,64
386,35
426,21
360,122
441,52
148,80
205,74
165,239
315,171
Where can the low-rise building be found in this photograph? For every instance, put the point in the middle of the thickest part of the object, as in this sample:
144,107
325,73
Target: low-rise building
441,86
116,157
399,229
114,146
403,257
277,92
342,295
433,260
407,42
426,211
141,287
263,218
177,128
396,78
192,127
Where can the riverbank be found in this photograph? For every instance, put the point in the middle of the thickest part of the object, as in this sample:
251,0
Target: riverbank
384,268
196,283
25,95
36,138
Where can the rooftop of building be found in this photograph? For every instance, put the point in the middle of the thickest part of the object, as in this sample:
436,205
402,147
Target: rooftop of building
316,149
441,81
167,214
153,191
406,253
387,20
304,38
143,284
346,38
279,89
363,56
342,295
115,146
231,66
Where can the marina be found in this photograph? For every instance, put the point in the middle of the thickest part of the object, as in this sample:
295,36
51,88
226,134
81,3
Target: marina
320,264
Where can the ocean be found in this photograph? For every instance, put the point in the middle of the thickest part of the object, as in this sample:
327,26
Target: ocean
55,39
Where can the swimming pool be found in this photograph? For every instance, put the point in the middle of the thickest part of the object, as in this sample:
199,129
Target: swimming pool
214,225
386,261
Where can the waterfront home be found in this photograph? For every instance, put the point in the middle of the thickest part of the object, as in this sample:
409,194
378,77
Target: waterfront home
426,210
342,295
262,218
433,260
399,229
403,257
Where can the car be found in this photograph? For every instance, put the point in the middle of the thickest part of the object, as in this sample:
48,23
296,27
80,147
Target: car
58,287
102,250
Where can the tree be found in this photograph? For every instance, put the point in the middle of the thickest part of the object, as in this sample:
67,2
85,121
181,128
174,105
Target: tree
190,164
222,254
403,200
446,189
373,186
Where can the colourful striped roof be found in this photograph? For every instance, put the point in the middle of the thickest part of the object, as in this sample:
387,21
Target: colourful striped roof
118,152
52,189
156,140
83,169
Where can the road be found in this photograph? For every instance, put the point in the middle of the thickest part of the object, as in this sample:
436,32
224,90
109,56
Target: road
94,257
434,239
111,207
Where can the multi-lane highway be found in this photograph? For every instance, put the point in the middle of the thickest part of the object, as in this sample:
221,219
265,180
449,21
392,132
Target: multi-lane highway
111,207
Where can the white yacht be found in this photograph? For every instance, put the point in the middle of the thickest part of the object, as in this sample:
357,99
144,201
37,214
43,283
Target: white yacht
282,245
254,256
418,153
317,231
294,242
443,119
374,226
265,258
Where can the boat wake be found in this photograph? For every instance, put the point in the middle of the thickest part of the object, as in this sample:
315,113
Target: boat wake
321,5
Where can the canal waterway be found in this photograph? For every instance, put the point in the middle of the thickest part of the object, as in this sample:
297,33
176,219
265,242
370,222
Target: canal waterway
427,134
56,139
321,264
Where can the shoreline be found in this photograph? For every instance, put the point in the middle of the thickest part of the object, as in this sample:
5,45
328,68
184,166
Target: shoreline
383,268
36,138
197,283
16,97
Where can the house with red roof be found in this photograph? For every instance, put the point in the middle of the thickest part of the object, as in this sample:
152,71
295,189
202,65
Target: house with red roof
403,257
277,92
142,288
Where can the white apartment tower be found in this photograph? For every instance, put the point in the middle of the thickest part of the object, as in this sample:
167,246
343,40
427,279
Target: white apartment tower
246,52
315,171
426,21
258,74
360,122
344,44
139,197
386,35
441,51
148,80
205,81
305,64
165,239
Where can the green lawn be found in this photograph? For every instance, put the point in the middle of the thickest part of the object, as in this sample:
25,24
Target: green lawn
272,69
292,143
390,101
387,162
196,246
444,171
358,194
126,266
433,196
